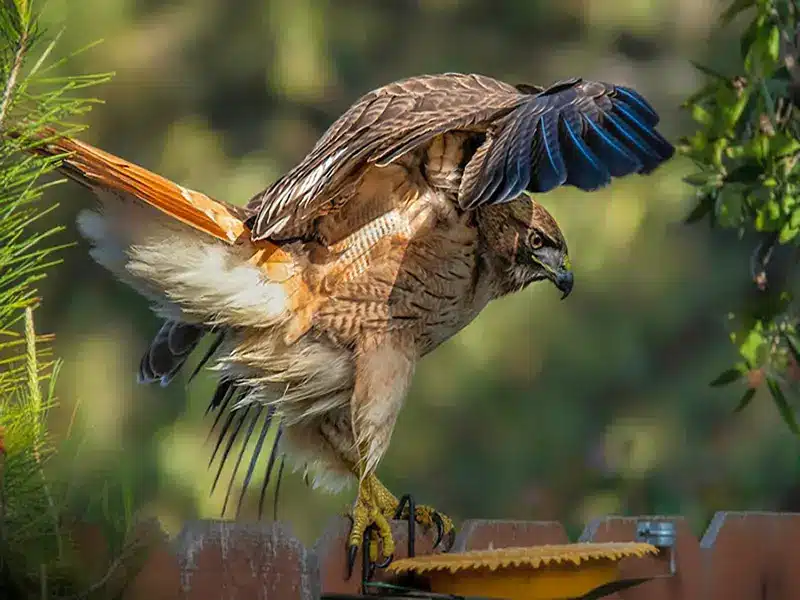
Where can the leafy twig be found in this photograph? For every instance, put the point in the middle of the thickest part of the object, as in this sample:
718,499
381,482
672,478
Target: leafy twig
747,147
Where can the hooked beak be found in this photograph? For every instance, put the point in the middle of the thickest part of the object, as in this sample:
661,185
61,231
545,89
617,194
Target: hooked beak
563,280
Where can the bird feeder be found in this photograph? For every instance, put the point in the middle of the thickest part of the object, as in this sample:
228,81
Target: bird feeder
552,572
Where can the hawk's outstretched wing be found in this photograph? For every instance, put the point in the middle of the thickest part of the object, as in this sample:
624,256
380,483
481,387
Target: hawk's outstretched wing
575,132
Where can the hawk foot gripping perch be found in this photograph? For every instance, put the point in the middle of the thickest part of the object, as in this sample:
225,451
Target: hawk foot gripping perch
405,509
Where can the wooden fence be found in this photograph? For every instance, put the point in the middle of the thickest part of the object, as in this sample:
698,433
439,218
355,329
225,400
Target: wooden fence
741,556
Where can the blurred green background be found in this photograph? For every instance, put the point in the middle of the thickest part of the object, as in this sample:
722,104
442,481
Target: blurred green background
538,410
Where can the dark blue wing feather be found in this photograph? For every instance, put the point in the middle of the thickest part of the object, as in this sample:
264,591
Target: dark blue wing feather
587,171
502,166
618,158
585,134
660,148
552,171
628,135
648,114
518,162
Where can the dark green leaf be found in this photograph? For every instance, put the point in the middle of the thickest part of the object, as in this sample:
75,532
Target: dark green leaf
702,93
700,178
748,39
727,377
736,7
711,72
787,412
745,400
746,173
703,208
766,308
769,103
756,61
729,207
794,346
782,74
783,145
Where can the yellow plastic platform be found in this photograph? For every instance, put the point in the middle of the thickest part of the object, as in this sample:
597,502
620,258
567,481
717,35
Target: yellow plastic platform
536,573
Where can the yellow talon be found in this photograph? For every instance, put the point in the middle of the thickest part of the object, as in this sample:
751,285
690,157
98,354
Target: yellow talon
375,506
367,512
426,516
373,548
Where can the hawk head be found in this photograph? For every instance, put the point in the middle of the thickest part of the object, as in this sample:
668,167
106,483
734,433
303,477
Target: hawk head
528,244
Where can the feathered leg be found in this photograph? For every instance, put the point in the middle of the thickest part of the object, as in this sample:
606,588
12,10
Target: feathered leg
384,368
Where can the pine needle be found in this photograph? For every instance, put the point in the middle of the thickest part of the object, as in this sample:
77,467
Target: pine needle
32,543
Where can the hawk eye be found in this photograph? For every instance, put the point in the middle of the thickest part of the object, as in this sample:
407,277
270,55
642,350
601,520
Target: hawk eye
536,241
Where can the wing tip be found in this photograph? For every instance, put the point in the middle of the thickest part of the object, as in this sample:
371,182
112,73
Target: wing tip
579,144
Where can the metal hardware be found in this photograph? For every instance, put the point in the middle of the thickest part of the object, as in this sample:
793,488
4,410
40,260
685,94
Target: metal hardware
662,535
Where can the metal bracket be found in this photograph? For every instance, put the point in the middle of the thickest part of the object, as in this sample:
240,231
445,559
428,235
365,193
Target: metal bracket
662,535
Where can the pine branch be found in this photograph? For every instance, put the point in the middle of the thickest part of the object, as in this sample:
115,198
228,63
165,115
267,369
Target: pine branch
11,81
32,98
38,408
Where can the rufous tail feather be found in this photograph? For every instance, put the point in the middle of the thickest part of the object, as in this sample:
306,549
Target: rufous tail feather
97,168
101,170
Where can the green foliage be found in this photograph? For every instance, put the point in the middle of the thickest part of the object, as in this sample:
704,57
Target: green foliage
31,545
37,558
746,150
31,99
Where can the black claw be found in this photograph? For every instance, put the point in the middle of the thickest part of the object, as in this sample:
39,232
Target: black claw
387,561
352,551
437,519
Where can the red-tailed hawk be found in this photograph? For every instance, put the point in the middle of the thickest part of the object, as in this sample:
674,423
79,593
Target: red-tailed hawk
409,215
